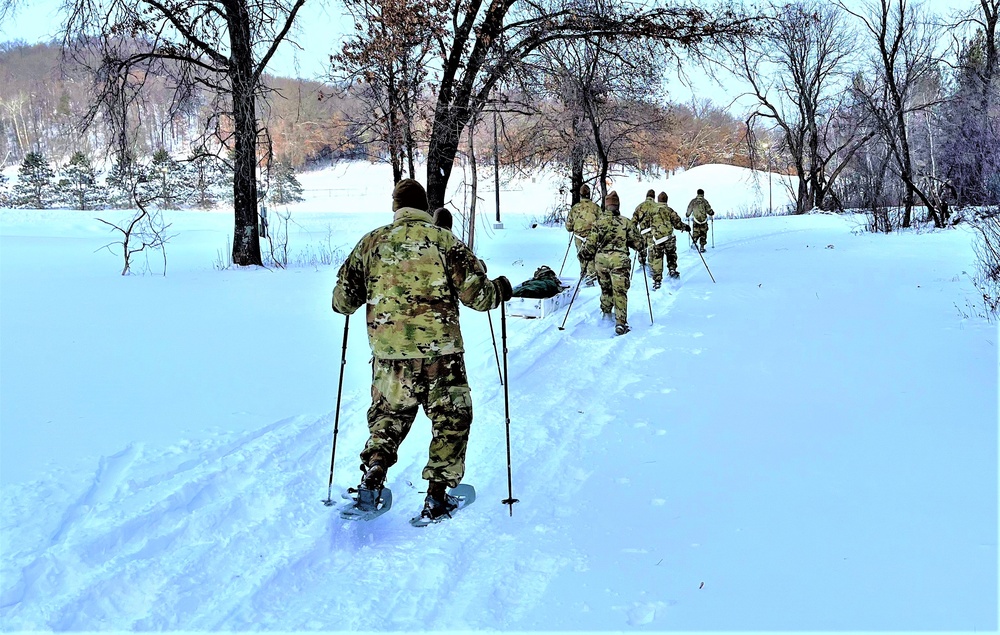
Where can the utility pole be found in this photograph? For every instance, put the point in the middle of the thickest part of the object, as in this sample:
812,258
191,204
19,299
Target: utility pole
496,169
770,198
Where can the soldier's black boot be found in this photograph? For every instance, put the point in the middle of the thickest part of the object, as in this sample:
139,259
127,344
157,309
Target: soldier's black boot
370,489
622,329
438,503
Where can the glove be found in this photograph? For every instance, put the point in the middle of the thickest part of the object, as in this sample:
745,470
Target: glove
687,228
503,288
642,258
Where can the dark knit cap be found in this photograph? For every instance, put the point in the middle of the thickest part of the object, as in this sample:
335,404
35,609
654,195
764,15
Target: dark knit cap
585,191
650,193
662,198
409,193
442,218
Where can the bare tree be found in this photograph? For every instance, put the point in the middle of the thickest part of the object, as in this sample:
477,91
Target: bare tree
904,56
223,46
385,64
486,41
798,75
144,232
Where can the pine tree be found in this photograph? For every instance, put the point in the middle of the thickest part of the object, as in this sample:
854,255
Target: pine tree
206,181
4,195
170,179
34,187
129,181
285,187
78,187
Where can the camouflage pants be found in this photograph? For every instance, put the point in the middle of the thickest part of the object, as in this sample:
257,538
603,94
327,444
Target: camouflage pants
614,271
667,248
441,387
586,266
699,233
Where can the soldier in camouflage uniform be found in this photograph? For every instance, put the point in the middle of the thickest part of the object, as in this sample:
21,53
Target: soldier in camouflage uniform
700,210
410,275
663,223
642,218
579,221
608,245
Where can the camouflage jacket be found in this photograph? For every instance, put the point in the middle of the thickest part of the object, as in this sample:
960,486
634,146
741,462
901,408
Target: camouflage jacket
700,209
411,274
582,216
612,234
664,221
642,217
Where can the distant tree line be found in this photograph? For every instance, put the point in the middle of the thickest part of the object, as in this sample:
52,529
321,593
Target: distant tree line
195,183
311,123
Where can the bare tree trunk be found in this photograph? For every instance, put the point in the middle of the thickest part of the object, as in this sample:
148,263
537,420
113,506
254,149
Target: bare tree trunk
475,187
246,241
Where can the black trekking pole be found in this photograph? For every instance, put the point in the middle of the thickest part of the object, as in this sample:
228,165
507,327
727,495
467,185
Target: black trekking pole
567,253
702,256
336,419
510,500
562,327
648,300
494,336
713,232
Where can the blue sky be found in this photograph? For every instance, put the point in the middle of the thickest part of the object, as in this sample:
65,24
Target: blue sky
319,34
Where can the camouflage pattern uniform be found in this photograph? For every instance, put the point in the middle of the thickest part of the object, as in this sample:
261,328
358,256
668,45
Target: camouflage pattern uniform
642,218
579,221
411,275
608,245
700,210
664,221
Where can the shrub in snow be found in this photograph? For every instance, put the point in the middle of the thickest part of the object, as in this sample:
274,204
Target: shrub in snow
987,247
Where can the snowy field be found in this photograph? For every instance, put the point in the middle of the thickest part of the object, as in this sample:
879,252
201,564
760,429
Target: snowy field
808,444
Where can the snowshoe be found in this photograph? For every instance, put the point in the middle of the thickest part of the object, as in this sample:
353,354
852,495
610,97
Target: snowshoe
366,504
437,509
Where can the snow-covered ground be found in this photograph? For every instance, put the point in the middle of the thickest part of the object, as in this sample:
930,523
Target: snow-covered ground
808,444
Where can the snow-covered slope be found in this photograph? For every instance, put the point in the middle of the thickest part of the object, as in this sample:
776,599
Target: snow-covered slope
810,443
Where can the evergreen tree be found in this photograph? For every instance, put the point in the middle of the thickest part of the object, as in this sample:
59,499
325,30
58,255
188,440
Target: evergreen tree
285,187
34,187
129,180
971,148
169,177
78,187
4,195
206,180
